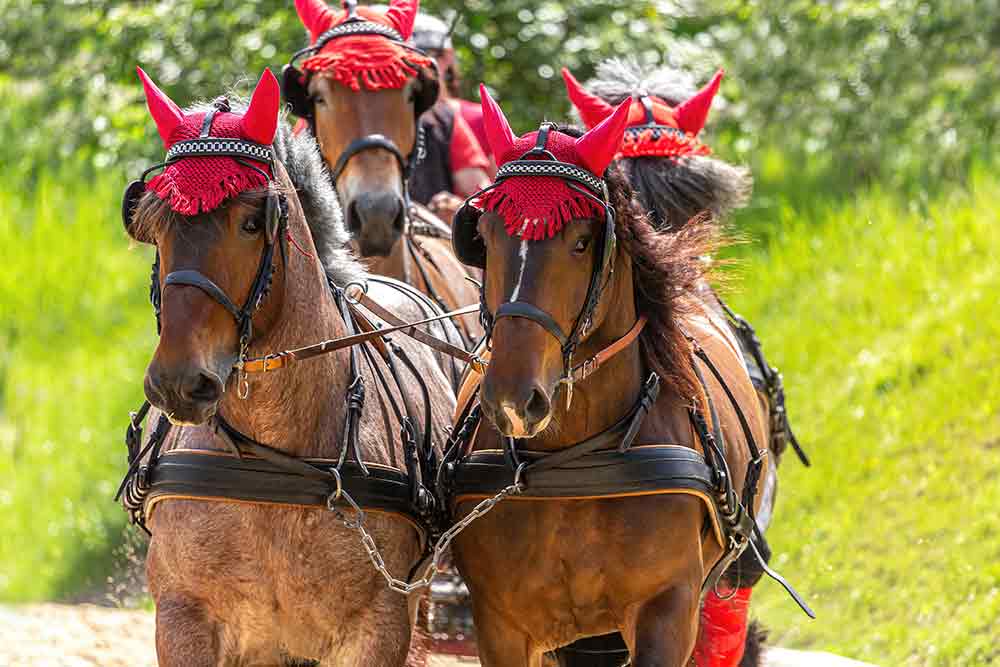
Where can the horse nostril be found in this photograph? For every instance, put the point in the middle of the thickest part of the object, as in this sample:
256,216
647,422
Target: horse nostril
537,408
202,388
353,219
400,222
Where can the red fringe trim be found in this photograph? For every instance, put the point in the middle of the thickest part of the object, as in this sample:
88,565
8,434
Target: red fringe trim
209,197
361,61
539,219
669,144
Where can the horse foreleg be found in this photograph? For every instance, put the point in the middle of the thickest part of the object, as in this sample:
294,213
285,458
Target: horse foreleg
185,637
502,645
665,628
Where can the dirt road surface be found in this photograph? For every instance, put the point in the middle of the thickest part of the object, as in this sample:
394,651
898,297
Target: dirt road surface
51,635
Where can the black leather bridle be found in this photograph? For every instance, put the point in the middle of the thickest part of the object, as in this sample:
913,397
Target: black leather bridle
276,221
540,162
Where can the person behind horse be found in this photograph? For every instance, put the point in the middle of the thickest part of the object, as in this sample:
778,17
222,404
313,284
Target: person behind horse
457,163
677,180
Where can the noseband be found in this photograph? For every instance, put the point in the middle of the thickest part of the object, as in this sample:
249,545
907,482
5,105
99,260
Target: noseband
381,142
545,164
276,222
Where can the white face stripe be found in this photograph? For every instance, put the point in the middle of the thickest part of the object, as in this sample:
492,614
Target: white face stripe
522,252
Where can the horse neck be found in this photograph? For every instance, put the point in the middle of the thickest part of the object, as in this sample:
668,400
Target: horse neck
609,393
300,409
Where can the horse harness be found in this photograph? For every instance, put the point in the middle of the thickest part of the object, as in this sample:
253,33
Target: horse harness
251,471
607,464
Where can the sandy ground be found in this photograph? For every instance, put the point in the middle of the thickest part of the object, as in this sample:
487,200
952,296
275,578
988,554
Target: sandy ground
51,635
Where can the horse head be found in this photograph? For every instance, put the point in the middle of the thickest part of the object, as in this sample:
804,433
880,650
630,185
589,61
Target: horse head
545,232
217,216
362,88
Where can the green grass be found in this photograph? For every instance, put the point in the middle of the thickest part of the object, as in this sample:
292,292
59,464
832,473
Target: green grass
880,311
883,316
75,333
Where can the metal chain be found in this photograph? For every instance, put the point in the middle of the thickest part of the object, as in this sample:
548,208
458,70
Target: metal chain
368,542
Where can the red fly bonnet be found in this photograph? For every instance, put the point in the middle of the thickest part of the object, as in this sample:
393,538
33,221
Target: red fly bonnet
545,179
360,47
655,128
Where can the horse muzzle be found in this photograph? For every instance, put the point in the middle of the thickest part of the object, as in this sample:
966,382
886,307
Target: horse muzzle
376,221
188,395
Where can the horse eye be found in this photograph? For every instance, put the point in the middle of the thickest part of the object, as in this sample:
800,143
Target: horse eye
253,224
316,99
581,245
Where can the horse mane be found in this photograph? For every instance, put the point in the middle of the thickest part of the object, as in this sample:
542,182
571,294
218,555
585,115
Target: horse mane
301,158
673,190
669,273
307,171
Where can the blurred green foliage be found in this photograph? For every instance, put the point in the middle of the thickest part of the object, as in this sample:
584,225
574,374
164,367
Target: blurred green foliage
894,89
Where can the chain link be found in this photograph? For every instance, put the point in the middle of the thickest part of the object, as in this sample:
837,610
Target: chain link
440,548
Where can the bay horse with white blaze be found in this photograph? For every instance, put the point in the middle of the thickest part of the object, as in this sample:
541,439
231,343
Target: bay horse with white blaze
677,179
622,503
250,484
362,88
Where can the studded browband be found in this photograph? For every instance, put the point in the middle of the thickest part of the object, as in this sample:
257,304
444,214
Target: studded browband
553,168
220,147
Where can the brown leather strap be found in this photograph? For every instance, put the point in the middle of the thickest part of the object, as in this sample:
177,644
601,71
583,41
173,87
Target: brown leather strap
276,361
431,341
593,363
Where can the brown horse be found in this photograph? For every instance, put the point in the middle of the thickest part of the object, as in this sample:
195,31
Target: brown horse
367,130
546,572
256,582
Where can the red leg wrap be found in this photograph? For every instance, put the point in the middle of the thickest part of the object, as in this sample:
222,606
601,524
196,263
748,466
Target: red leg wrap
723,632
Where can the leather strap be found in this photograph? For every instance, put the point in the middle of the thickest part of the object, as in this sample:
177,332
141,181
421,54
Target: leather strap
431,341
367,143
530,311
643,469
276,361
217,475
619,436
201,281
581,371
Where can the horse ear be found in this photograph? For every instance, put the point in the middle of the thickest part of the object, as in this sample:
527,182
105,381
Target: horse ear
315,16
165,113
260,121
692,114
598,146
402,14
591,107
498,132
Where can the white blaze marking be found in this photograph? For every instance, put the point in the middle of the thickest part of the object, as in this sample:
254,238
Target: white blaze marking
522,252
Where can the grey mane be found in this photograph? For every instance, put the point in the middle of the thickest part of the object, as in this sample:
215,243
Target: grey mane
673,190
307,171
305,166
619,78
